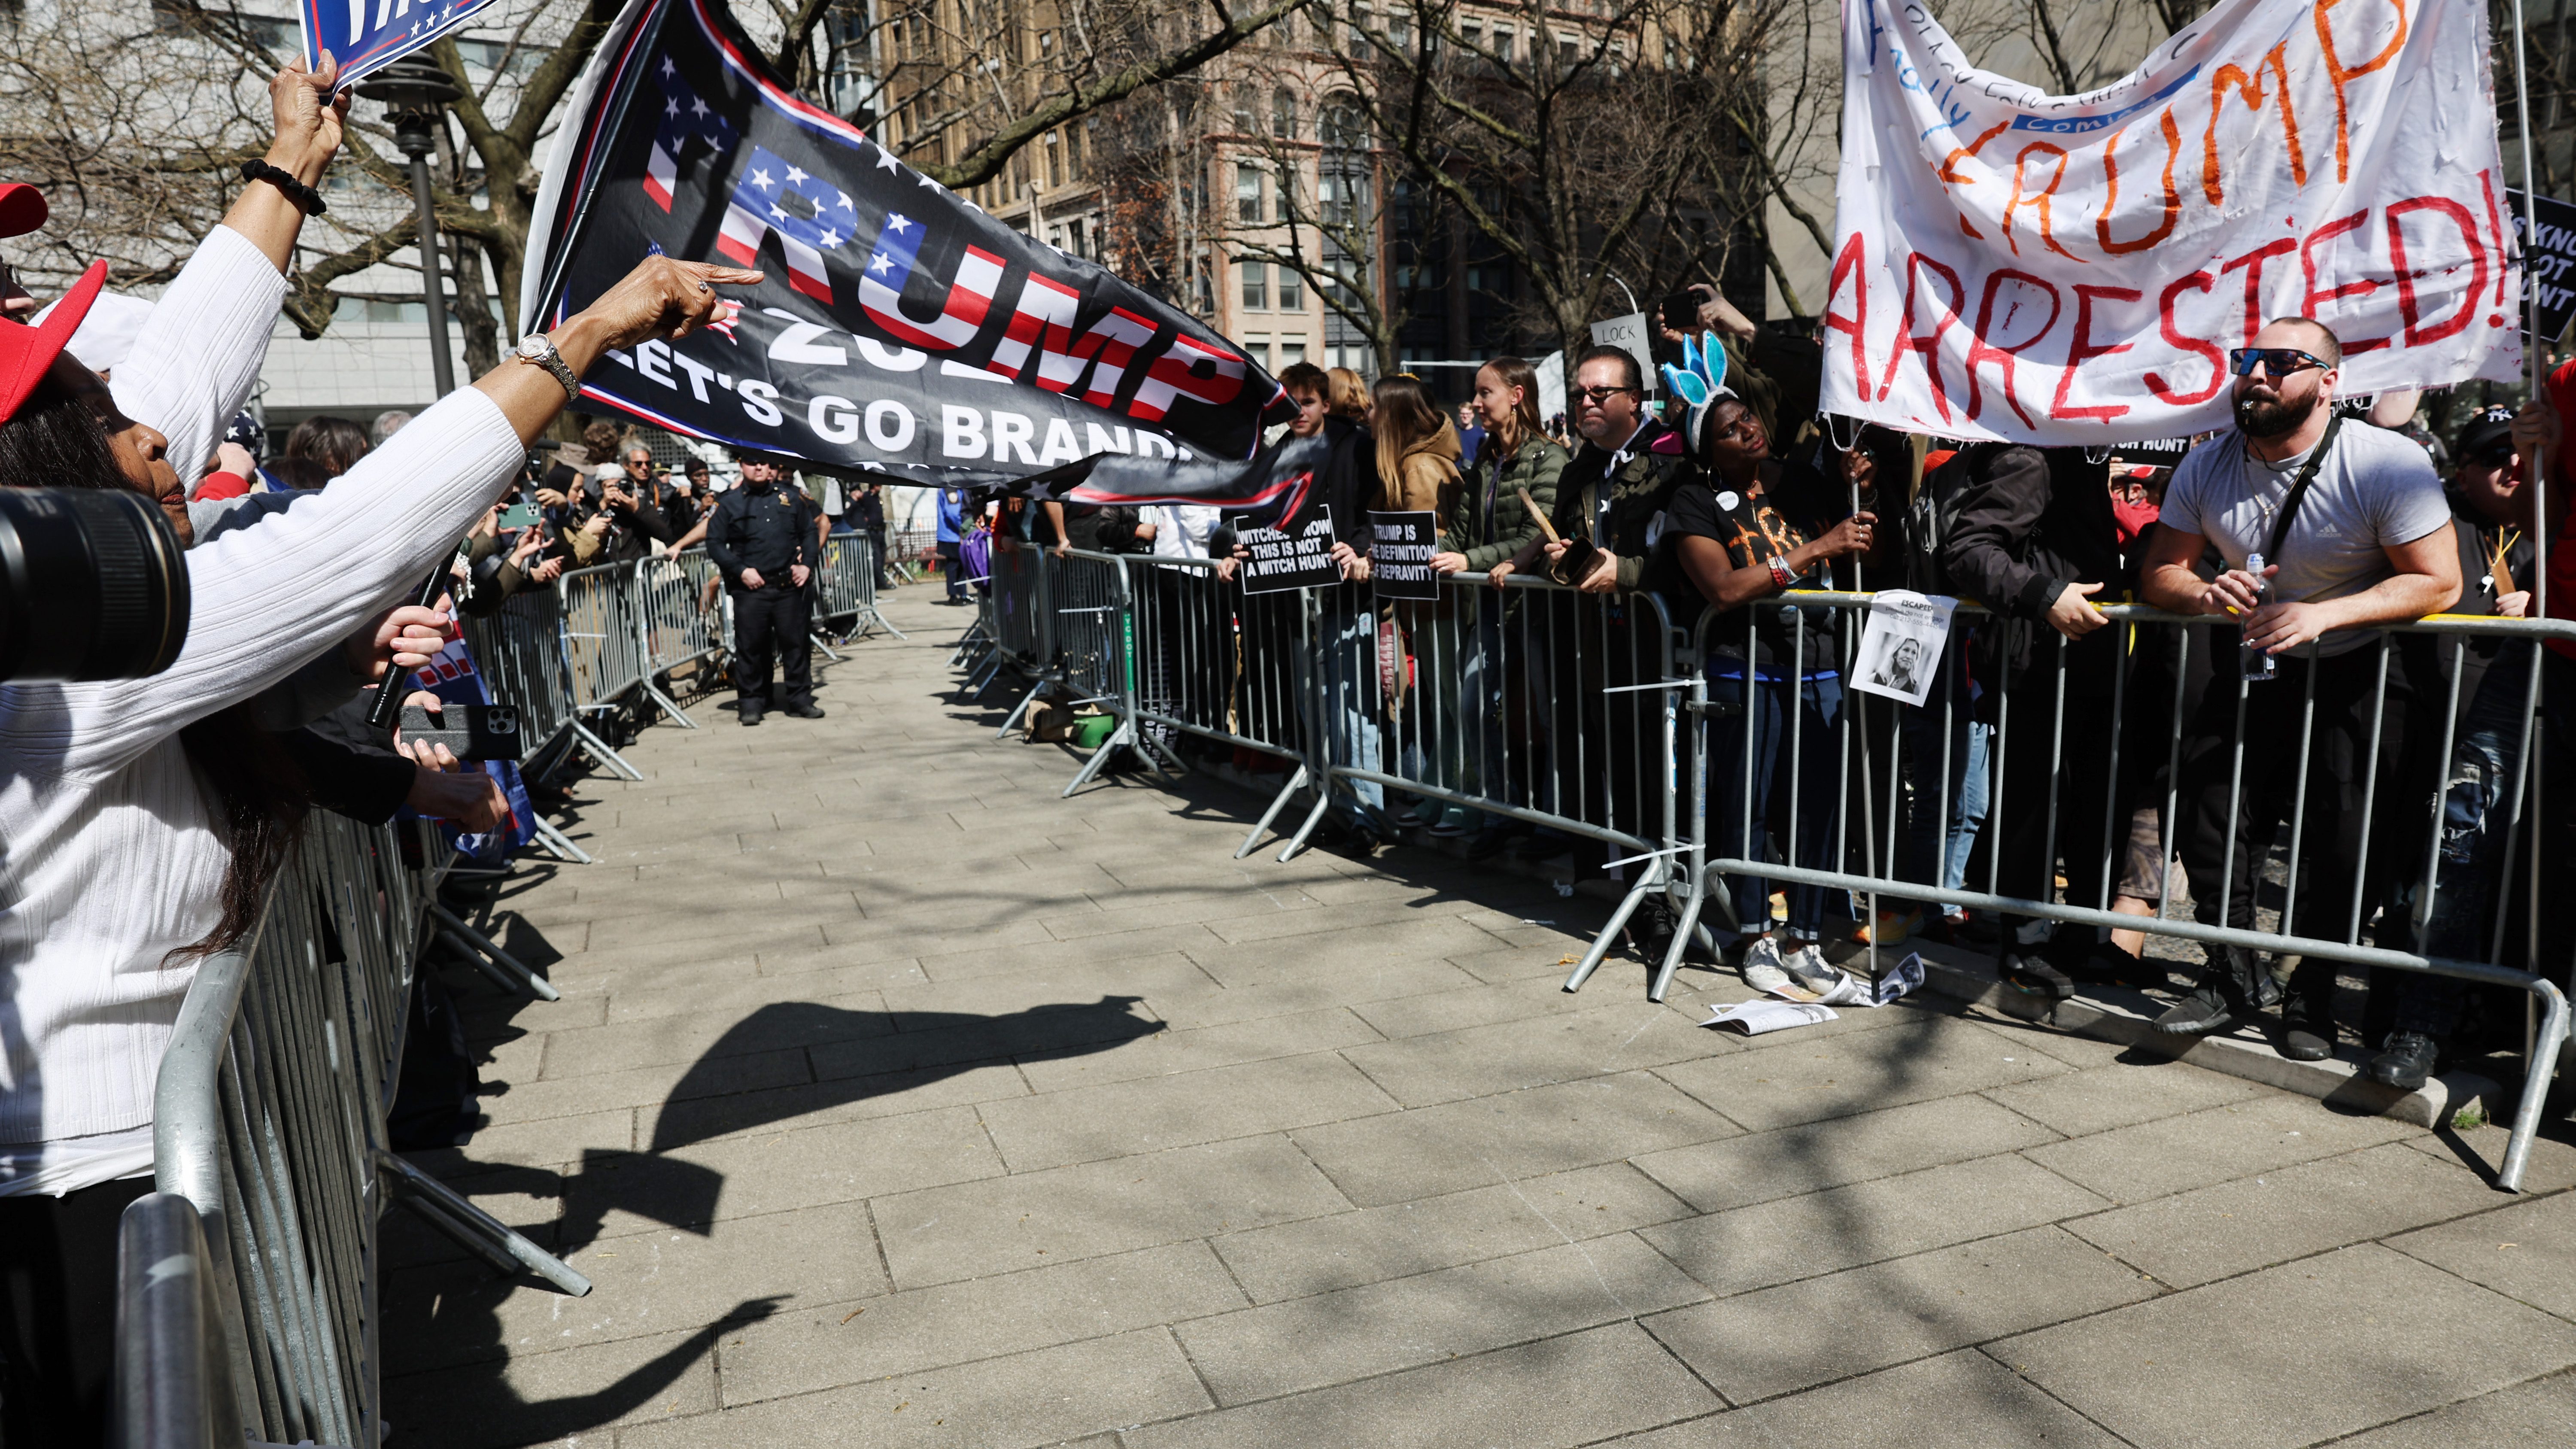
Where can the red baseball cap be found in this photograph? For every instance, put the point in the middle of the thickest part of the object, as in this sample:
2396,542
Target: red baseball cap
22,208
27,352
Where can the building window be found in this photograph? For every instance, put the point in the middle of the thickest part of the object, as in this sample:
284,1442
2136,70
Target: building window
1283,114
1256,288
1247,194
1292,350
1258,345
1502,45
1292,290
1054,161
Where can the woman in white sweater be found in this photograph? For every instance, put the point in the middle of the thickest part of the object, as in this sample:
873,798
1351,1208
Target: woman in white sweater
120,855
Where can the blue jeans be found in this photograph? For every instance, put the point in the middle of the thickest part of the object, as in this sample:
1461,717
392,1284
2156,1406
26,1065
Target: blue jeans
1937,847
1761,733
2477,801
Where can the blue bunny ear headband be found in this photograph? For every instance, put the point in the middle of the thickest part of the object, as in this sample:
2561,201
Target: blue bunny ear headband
1700,382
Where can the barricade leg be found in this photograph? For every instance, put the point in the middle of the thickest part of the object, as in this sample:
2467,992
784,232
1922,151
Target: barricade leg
1649,880
1314,817
561,844
2536,1075
1278,803
1011,720
418,1186
607,756
516,975
669,706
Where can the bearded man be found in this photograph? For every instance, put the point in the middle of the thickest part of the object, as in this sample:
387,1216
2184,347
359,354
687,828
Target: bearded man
2353,531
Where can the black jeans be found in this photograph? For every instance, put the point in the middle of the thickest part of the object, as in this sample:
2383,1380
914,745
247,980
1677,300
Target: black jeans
952,571
2030,739
58,1313
2221,856
775,618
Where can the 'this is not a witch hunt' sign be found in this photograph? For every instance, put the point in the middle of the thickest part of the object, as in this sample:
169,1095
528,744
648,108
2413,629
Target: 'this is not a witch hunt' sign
1283,561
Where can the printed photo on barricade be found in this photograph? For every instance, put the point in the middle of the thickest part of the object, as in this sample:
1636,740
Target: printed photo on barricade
1900,652
1400,549
1281,561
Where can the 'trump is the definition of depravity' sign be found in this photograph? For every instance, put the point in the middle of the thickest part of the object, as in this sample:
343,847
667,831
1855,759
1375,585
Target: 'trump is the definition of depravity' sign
2073,269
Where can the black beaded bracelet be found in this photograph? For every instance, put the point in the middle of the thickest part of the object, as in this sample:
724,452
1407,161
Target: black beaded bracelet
305,197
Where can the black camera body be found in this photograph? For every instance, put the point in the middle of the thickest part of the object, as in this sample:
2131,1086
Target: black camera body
93,585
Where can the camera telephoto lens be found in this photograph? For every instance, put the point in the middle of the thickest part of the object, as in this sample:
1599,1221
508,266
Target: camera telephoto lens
92,585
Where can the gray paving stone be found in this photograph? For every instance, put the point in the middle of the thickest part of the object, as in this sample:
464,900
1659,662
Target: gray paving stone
816,1104
647,1087
1957,1401
1915,1056
1026,1399
2303,1352
669,1377
1801,1237
783,1170
2539,1266
2542,1411
655,1040
1117,1119
643,1284
1560,1391
1354,988
1319,1255
1460,1145
2097,1099
1787,1161
1449,1011
1533,1051
2216,1144
1033,1218
2214,1232
806,1349
1780,1340
1200,1048
1354,1333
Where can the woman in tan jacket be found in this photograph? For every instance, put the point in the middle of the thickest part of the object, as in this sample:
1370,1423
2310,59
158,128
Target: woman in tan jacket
1417,449
1417,469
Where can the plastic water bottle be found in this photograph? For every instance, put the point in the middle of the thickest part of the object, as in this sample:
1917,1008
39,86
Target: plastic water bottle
2257,664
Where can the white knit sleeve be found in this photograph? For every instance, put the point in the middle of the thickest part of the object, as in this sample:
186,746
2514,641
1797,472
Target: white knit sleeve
267,599
193,364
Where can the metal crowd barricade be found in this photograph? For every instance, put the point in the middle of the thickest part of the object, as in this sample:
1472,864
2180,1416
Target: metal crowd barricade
673,627
1224,665
1018,619
1859,843
269,1128
1532,703
849,586
602,649
1094,628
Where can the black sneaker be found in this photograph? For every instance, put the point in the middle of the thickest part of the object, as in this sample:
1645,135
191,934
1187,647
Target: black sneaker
2205,1010
751,713
807,710
2026,972
2407,1063
2307,1031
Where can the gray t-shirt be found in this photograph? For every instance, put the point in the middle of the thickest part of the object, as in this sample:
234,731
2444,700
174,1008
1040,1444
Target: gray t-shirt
2376,490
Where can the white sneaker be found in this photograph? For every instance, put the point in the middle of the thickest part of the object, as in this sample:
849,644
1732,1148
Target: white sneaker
1763,969
1807,966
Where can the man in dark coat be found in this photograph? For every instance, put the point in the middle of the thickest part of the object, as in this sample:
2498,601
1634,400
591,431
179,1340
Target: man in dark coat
2035,540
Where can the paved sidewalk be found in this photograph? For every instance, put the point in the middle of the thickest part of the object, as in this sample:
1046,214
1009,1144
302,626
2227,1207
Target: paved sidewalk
894,1101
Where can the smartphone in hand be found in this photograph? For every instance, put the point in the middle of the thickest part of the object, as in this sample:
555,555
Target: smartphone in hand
470,731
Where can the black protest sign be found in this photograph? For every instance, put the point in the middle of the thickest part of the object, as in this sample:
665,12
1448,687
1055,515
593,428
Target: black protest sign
2549,265
900,330
1400,549
1284,561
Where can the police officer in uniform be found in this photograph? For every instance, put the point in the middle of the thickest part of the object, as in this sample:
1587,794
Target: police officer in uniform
763,539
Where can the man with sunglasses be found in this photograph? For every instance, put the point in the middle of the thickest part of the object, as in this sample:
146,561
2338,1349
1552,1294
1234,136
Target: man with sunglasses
2367,541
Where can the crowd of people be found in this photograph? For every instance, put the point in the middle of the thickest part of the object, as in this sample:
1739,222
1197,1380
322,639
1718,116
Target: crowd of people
2050,740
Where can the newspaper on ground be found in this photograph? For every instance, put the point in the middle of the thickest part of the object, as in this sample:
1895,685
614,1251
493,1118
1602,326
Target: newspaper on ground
1753,1018
1900,651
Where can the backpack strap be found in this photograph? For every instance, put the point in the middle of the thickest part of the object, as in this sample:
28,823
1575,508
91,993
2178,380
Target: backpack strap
2299,492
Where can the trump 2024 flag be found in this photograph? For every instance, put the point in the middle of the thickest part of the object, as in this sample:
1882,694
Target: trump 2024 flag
365,36
2073,269
900,329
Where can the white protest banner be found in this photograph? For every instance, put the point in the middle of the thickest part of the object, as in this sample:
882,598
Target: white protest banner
2073,269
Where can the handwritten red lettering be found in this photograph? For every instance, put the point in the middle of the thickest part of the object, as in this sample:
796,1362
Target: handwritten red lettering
2249,89
1926,348
1982,351
2309,301
2040,199
2253,262
2083,350
1852,263
2165,392
2452,326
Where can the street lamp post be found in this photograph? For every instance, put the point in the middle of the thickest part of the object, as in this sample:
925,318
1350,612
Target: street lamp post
413,91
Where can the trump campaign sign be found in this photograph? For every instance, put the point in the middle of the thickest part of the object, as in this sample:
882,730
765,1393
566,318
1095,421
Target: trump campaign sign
368,35
2073,269
899,328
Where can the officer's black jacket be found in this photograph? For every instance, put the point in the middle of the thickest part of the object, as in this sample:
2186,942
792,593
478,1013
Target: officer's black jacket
766,529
